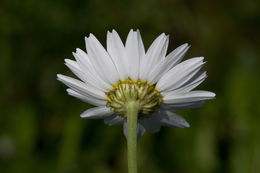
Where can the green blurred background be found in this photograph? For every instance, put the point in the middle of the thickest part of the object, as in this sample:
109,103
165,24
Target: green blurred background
40,127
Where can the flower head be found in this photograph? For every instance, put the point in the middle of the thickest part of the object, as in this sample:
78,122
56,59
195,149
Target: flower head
159,83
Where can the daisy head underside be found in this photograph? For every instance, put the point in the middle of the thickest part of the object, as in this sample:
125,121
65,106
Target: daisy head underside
159,83
143,93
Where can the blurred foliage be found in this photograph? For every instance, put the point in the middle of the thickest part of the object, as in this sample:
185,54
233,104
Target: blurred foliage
40,127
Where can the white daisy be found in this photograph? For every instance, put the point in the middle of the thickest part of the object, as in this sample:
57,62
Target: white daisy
110,77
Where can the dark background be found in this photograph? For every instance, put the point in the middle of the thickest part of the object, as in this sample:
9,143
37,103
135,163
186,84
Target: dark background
40,127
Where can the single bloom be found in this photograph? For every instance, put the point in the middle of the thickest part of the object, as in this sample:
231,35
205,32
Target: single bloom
160,83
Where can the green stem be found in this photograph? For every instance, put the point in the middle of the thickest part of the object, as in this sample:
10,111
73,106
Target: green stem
132,115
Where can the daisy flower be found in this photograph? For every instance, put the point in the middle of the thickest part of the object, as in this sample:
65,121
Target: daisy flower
136,88
157,82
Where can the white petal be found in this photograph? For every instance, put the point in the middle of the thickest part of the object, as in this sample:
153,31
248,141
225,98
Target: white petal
88,69
180,74
177,107
140,130
154,55
101,60
152,122
97,112
189,97
141,50
176,55
81,87
140,45
114,120
190,85
174,120
72,63
133,54
117,53
74,67
167,63
91,100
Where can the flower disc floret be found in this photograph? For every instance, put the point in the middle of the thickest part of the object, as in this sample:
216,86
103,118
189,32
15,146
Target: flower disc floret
145,94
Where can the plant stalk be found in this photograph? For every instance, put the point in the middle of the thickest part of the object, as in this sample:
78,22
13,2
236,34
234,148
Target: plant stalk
132,116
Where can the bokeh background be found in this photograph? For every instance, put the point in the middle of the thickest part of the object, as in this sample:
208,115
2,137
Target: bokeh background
40,127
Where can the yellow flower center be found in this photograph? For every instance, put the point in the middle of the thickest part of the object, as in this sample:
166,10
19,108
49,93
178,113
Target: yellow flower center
145,94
